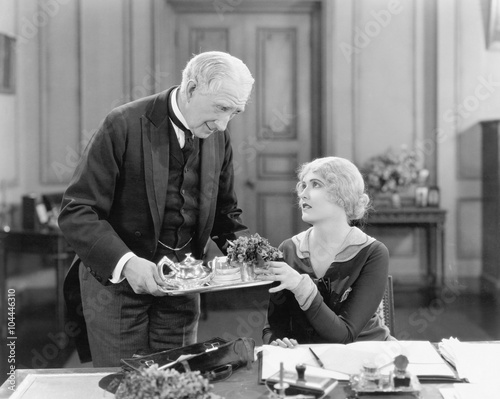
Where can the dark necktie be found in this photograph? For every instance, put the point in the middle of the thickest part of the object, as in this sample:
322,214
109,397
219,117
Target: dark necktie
188,142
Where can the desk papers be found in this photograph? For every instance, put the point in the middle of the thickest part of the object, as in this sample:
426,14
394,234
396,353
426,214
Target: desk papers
61,386
469,391
341,361
476,361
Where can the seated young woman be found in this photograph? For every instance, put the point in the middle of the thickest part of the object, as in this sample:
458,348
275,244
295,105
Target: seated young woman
333,277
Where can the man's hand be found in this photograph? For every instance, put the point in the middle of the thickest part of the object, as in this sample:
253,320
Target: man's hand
143,276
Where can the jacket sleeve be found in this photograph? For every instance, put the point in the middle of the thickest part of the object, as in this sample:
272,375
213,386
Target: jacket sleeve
227,220
88,199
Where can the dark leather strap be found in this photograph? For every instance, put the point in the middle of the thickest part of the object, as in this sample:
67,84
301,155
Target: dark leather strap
250,353
220,373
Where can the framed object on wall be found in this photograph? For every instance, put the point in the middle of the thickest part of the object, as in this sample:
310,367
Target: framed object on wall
7,69
493,36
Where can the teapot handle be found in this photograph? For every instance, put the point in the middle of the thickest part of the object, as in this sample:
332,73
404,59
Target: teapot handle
170,264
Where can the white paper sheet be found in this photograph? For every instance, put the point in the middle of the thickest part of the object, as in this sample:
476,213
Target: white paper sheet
61,386
476,361
348,359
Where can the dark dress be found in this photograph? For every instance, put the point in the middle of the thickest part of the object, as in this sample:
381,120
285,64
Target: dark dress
344,306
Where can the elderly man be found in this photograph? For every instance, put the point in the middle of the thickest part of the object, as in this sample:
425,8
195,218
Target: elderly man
156,180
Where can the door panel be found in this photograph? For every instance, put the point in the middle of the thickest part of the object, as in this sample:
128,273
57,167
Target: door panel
273,136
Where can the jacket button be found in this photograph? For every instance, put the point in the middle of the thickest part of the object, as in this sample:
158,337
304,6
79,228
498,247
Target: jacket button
138,234
98,278
89,269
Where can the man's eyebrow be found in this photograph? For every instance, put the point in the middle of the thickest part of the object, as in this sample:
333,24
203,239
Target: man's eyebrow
232,106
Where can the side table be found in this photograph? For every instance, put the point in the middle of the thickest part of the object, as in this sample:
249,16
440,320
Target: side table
432,220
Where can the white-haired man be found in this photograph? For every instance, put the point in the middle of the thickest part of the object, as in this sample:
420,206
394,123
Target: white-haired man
156,180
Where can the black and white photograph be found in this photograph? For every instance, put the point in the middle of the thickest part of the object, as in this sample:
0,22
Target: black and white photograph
261,199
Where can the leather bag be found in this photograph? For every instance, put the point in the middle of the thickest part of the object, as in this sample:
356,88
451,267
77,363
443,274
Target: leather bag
216,358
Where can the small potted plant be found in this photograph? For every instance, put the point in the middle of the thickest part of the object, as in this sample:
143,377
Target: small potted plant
152,383
249,252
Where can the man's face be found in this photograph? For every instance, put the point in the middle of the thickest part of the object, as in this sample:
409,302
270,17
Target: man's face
208,113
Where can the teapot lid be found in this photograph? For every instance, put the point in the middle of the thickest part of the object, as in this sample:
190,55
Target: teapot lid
190,261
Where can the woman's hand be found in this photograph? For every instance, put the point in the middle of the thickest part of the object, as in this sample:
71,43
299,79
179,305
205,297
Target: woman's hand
285,342
279,271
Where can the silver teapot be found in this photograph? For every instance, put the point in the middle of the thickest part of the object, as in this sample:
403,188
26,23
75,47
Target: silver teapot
190,273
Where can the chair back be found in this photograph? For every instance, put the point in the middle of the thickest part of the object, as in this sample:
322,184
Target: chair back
386,308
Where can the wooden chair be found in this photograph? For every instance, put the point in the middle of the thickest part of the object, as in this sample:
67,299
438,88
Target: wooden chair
386,308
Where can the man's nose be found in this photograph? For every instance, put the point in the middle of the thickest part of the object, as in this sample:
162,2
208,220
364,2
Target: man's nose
221,124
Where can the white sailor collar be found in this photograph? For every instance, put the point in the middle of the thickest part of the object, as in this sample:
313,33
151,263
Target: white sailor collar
354,242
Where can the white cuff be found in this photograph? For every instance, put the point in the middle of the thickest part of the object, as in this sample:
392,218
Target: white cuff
117,277
305,291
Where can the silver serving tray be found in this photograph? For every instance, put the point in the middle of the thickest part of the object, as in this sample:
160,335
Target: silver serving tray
213,287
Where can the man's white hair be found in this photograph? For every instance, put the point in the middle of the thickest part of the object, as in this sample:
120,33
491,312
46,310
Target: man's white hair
210,69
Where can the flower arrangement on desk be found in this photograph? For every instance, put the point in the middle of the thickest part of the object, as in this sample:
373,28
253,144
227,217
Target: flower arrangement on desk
250,249
392,171
152,383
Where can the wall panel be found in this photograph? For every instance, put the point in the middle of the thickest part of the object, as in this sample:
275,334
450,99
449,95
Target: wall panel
102,60
271,213
469,234
384,77
9,150
144,72
59,93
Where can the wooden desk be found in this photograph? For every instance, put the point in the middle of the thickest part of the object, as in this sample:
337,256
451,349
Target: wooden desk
432,220
241,385
50,243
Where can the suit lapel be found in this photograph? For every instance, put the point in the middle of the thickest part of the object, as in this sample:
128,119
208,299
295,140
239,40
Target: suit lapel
209,178
155,125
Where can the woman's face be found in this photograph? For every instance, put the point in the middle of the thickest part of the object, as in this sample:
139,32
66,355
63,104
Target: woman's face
315,202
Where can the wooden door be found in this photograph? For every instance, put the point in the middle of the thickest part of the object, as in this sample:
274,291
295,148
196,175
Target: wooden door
274,135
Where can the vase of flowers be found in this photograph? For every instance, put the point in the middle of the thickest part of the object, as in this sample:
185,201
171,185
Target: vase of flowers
152,383
392,174
250,252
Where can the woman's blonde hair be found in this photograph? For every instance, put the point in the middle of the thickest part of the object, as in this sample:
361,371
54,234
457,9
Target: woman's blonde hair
345,184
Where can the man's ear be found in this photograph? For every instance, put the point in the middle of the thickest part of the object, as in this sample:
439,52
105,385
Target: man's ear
190,88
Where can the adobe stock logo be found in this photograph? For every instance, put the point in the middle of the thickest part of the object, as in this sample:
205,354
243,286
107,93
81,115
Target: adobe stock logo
29,27
363,37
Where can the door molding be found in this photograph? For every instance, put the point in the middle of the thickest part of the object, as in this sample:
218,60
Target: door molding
244,6
321,101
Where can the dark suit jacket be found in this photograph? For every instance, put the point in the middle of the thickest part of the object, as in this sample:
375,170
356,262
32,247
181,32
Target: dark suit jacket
116,200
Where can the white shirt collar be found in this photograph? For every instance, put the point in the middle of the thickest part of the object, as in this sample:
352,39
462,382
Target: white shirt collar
175,108
181,136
